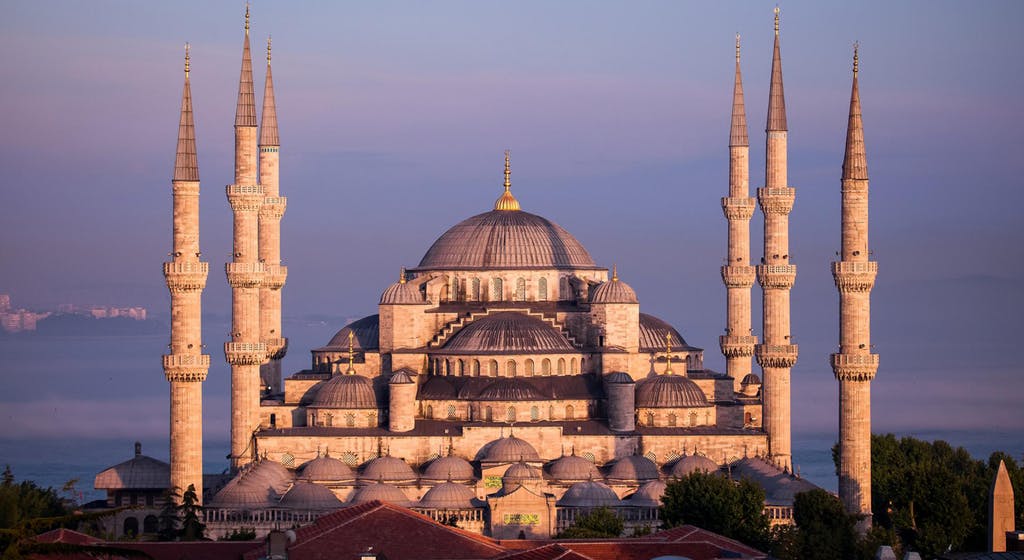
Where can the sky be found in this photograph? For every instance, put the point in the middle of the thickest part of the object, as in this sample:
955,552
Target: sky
393,119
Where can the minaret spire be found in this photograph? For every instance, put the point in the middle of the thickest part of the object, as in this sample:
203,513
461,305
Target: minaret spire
506,201
776,96
855,365
185,367
245,108
738,130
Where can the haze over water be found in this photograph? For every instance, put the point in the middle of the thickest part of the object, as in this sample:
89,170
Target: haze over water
393,120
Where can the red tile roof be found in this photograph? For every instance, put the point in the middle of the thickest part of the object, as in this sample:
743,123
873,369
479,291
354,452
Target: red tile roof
66,536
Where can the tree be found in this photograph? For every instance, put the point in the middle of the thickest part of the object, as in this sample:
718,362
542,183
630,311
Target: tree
169,520
191,528
598,523
715,503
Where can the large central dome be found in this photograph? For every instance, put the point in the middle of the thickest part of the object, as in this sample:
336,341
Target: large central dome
506,239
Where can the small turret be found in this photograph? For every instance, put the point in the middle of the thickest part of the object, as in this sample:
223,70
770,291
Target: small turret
401,402
621,391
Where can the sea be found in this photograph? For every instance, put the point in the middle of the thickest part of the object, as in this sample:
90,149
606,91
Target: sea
71,406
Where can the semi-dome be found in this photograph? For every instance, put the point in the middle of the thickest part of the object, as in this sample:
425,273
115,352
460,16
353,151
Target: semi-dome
365,335
508,450
448,495
449,468
239,495
402,293
387,469
589,494
632,468
687,464
505,239
345,391
613,291
618,377
327,469
402,377
508,332
669,391
382,492
571,467
648,495
510,389
750,379
308,496
652,335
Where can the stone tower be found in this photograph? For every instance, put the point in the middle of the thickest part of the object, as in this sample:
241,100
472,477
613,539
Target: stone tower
738,275
186,366
271,212
401,402
855,365
1000,510
245,351
777,354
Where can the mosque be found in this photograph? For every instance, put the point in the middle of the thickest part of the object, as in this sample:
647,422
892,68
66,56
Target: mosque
508,382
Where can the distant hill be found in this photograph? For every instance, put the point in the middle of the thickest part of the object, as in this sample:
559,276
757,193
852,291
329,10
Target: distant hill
68,324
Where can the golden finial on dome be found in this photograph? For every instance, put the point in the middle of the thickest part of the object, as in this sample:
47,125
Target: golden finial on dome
776,20
401,277
268,50
668,353
737,47
615,273
188,58
351,353
506,201
856,58
246,18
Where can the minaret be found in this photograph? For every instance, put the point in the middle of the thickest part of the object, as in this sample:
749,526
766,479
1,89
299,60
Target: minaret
777,354
186,366
245,352
270,240
855,365
738,275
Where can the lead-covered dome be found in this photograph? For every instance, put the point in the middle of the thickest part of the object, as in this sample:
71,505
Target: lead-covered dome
505,239
365,335
613,291
589,494
237,494
508,450
508,332
308,496
632,468
382,492
449,468
345,391
327,469
448,495
387,469
669,391
687,464
571,468
648,495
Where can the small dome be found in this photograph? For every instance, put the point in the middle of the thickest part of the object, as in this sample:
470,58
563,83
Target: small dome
589,494
365,335
613,291
519,472
687,464
345,391
508,332
449,468
448,495
508,450
383,492
750,379
571,468
618,377
632,468
649,495
402,293
510,389
506,239
267,473
239,495
327,469
387,469
401,376
669,391
308,496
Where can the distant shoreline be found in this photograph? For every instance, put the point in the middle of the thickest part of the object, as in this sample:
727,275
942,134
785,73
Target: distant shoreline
70,324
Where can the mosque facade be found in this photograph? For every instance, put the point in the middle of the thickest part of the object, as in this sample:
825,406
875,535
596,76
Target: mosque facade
507,382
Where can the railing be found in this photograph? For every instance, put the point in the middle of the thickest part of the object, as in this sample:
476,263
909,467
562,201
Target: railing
841,360
777,269
241,190
861,267
186,267
186,360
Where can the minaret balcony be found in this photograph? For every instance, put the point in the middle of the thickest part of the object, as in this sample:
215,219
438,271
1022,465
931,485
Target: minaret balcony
737,346
776,200
245,275
776,276
186,367
738,208
186,276
736,276
854,276
776,355
273,207
276,348
274,276
245,198
245,353
854,367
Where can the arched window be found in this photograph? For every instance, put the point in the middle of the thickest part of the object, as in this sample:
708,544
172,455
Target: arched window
569,412
460,368
650,418
476,289
534,413
561,366
476,368
510,414
707,418
449,367
510,368
371,420
551,412
451,412
572,366
542,289
497,290
748,418
493,368
488,414
545,367
350,420
328,419
672,419
520,289
453,289
563,288
529,367
429,412
693,418
131,526
149,524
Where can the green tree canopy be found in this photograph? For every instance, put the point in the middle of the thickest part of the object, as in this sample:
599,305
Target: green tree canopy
599,523
716,503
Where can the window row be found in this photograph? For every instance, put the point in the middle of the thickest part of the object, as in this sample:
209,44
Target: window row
508,368
494,289
499,413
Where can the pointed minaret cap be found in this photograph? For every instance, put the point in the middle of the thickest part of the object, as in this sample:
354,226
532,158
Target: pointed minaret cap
268,120
738,131
506,201
855,161
186,166
776,97
245,110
